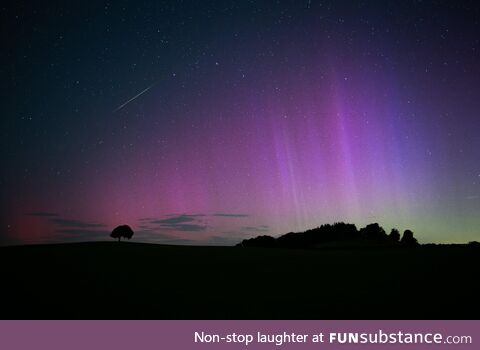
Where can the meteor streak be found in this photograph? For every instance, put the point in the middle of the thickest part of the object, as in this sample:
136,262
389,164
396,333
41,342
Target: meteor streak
133,98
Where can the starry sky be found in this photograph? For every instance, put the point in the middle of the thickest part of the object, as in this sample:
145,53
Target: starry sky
208,122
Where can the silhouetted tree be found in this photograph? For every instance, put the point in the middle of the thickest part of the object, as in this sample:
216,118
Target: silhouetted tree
394,235
474,244
408,238
373,232
337,235
122,231
327,233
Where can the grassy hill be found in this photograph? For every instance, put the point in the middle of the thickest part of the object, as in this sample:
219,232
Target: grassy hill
110,280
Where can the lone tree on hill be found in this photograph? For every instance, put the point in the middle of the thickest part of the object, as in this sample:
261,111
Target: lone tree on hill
122,231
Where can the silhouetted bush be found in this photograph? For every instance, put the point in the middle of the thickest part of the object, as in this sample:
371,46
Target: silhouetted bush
408,238
394,235
122,231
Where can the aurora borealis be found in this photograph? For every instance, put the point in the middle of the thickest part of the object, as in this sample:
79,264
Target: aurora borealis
261,118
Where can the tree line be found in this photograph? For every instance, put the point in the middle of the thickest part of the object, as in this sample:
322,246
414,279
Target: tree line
339,233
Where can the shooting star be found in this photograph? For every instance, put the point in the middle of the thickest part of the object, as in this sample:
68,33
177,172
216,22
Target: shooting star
133,98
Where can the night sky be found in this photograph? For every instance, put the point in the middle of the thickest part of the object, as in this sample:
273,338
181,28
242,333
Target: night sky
207,122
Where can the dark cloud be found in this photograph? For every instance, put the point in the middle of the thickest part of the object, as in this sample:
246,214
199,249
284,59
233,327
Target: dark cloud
226,215
186,227
261,228
175,220
42,214
146,219
183,222
150,235
181,226
75,223
77,230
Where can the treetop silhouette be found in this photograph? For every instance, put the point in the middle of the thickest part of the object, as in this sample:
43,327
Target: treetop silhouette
408,238
122,231
339,233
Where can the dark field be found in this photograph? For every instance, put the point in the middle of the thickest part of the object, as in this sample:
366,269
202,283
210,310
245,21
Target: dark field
109,280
